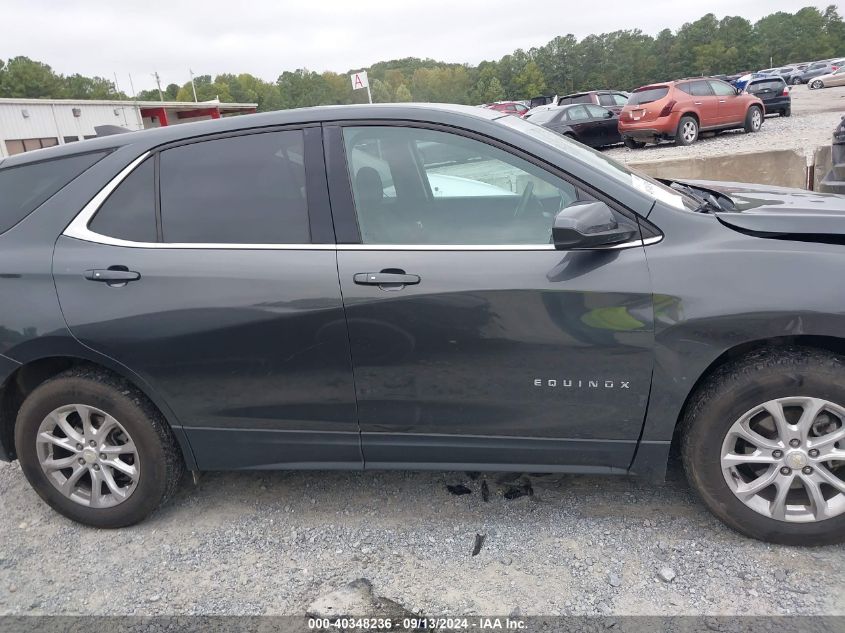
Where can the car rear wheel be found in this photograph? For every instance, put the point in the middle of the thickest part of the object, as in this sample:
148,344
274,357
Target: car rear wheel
753,119
796,81
816,84
763,444
687,133
786,112
96,450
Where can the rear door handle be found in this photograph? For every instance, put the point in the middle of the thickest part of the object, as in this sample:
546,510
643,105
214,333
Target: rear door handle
112,275
379,279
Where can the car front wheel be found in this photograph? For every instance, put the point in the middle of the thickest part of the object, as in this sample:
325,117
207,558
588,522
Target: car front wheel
96,450
815,85
687,133
763,444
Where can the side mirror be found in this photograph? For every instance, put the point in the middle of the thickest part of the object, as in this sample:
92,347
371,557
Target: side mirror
608,115
587,225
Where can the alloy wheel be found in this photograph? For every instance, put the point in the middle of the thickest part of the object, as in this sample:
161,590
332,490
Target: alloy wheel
88,456
689,132
785,459
756,119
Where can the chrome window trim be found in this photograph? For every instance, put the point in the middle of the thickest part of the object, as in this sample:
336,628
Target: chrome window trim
78,229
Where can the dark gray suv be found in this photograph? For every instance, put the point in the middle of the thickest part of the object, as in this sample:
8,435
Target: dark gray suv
414,287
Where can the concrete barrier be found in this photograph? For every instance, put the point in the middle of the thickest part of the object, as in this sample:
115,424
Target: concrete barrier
822,163
784,168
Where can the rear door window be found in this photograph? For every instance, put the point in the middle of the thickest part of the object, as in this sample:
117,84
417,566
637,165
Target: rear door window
578,113
239,190
700,89
721,88
24,188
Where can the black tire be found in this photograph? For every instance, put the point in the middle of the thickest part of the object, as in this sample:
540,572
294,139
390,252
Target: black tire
816,84
796,81
683,124
786,112
753,124
161,463
726,396
631,143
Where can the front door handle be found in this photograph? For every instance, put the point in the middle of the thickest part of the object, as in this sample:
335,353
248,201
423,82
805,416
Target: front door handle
381,279
112,275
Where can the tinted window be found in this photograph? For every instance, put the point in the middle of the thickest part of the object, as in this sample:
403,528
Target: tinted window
766,85
415,186
721,88
242,190
26,187
700,89
129,213
581,99
648,94
606,100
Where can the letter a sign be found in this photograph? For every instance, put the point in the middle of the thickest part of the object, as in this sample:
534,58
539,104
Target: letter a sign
359,81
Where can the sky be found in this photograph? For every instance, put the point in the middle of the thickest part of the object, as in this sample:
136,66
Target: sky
266,37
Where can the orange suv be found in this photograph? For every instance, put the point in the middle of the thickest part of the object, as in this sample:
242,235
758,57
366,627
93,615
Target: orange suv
681,109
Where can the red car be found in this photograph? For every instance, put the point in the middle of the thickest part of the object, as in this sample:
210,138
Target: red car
679,110
511,107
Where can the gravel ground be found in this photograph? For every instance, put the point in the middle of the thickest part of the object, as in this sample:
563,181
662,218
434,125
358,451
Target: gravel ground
815,113
272,543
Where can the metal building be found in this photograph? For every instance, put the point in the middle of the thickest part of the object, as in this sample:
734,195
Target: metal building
28,124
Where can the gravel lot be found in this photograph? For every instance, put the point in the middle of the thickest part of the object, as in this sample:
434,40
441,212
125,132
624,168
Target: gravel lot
271,543
815,113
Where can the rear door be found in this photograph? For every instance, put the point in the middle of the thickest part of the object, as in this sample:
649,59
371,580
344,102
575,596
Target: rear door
732,106
705,102
581,124
605,123
474,341
210,270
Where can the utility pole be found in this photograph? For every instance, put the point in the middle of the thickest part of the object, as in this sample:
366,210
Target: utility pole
131,85
193,87
158,83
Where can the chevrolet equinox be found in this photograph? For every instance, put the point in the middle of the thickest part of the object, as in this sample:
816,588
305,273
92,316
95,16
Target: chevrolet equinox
414,287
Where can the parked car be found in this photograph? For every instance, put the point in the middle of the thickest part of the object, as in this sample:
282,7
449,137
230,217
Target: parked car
773,92
681,110
510,107
613,100
836,78
817,69
289,290
590,124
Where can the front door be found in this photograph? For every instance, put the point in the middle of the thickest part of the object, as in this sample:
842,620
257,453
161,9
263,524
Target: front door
474,341
225,299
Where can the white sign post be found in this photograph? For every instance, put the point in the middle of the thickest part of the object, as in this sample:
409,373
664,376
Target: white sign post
359,81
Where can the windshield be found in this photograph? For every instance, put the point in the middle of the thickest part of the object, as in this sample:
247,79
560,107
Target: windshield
648,94
600,162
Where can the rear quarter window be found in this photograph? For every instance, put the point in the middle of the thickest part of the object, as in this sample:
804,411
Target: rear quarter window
24,188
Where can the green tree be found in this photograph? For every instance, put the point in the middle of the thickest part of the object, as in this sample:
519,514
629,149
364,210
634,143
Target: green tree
403,95
25,78
381,92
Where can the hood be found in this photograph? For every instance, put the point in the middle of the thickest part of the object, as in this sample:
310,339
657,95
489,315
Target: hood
779,211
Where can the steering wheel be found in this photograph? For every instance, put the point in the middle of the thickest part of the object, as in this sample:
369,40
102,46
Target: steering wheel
524,200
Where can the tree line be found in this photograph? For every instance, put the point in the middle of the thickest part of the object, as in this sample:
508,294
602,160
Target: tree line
622,60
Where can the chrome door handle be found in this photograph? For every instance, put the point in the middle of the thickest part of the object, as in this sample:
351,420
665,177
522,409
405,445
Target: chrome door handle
696,102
